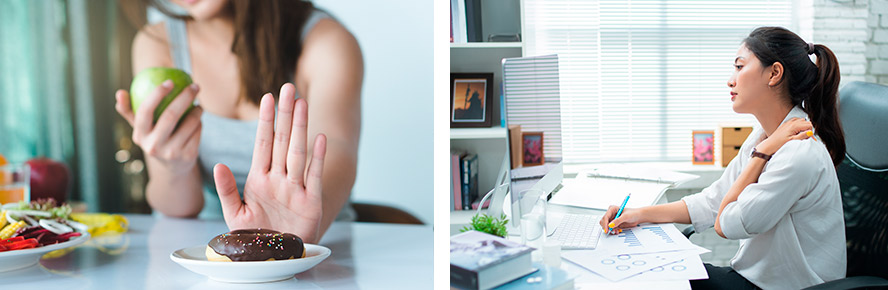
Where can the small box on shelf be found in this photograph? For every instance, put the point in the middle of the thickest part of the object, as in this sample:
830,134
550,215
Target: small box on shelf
728,139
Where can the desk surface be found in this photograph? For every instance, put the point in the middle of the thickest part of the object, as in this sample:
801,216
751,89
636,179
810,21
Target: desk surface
364,256
583,279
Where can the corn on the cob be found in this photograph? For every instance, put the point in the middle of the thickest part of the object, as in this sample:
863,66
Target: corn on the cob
2,219
10,229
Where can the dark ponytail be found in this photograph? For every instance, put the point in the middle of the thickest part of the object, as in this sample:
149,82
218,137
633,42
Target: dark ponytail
821,105
814,86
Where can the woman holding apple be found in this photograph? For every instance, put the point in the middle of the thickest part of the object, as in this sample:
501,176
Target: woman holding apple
238,51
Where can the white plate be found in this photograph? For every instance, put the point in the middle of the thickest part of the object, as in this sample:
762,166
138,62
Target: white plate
17,259
195,259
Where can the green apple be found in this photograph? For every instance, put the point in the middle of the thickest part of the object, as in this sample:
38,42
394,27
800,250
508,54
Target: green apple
150,78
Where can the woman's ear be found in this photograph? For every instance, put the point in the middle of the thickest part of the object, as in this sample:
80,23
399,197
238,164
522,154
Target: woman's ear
776,74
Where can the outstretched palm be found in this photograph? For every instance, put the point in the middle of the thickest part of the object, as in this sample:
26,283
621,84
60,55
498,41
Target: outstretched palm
279,193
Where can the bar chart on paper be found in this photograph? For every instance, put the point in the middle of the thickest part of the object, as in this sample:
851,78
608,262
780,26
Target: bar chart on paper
648,238
629,238
660,232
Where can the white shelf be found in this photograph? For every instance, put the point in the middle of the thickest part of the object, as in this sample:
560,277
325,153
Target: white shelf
486,45
478,133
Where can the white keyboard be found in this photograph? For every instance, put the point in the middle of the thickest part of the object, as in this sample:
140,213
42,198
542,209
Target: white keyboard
578,231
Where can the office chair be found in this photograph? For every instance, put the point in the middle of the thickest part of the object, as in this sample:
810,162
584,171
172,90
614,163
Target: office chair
374,213
863,179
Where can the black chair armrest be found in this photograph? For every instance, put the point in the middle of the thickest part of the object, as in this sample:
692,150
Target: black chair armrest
688,231
857,282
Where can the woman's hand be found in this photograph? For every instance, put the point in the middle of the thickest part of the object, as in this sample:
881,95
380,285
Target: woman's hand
794,129
175,148
279,193
629,218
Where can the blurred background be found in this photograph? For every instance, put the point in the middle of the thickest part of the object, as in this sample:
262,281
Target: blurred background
62,60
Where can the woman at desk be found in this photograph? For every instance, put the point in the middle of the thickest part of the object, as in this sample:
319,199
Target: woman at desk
292,178
780,196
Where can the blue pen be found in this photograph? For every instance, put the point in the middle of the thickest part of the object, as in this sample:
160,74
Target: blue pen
610,227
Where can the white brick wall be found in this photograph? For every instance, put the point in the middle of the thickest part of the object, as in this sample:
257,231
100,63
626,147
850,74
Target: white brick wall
877,46
843,27
857,31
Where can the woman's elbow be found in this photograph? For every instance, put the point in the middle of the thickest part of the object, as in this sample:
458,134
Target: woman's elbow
718,230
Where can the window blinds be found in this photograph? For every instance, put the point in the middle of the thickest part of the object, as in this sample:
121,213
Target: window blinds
533,99
637,76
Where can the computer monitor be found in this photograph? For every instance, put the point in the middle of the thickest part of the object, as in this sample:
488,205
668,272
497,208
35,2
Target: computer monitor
533,100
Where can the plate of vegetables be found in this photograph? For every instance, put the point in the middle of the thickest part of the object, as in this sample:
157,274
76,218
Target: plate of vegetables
30,230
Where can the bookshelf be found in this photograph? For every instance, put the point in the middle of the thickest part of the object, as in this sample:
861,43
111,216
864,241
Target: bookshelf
490,144
497,17
477,133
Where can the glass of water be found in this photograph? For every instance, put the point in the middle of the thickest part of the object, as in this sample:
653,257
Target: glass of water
14,183
532,206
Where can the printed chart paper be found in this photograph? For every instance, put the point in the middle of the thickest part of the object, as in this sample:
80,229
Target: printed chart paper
648,249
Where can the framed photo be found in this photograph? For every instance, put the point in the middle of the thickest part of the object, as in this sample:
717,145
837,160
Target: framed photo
532,149
704,147
471,100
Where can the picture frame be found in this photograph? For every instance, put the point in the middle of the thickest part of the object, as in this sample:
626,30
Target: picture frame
532,149
471,100
703,143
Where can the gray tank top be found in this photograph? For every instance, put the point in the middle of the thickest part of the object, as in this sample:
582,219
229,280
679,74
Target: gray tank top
225,140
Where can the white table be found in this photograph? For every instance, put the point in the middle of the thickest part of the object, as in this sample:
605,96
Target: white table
365,255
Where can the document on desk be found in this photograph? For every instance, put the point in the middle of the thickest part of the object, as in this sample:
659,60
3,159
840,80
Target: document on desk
672,276
599,193
644,239
647,247
632,172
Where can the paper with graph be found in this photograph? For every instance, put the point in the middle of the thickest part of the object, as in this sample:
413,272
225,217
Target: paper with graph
651,248
645,238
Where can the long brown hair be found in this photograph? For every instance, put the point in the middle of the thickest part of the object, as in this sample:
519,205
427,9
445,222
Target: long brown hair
267,41
814,85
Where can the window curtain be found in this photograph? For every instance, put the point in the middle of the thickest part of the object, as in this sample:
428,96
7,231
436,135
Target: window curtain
60,62
638,76
34,101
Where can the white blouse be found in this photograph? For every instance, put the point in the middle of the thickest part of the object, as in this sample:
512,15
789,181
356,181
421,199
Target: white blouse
790,223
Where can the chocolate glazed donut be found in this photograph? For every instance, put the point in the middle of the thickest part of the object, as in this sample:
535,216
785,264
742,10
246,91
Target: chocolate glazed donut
255,245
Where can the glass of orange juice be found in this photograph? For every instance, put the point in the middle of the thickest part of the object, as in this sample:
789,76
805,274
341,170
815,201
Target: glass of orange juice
14,183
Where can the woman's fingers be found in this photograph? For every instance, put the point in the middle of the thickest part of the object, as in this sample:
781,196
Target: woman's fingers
192,146
264,135
316,168
123,106
227,189
144,116
617,222
282,132
190,126
608,215
168,120
297,152
802,135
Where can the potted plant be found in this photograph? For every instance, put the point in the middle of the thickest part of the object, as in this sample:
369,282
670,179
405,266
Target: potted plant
488,224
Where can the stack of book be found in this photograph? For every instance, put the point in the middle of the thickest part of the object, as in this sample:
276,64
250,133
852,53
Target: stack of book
483,261
464,180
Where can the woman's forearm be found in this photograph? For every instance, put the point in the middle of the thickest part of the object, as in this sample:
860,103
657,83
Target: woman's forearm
673,212
174,194
340,169
749,175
